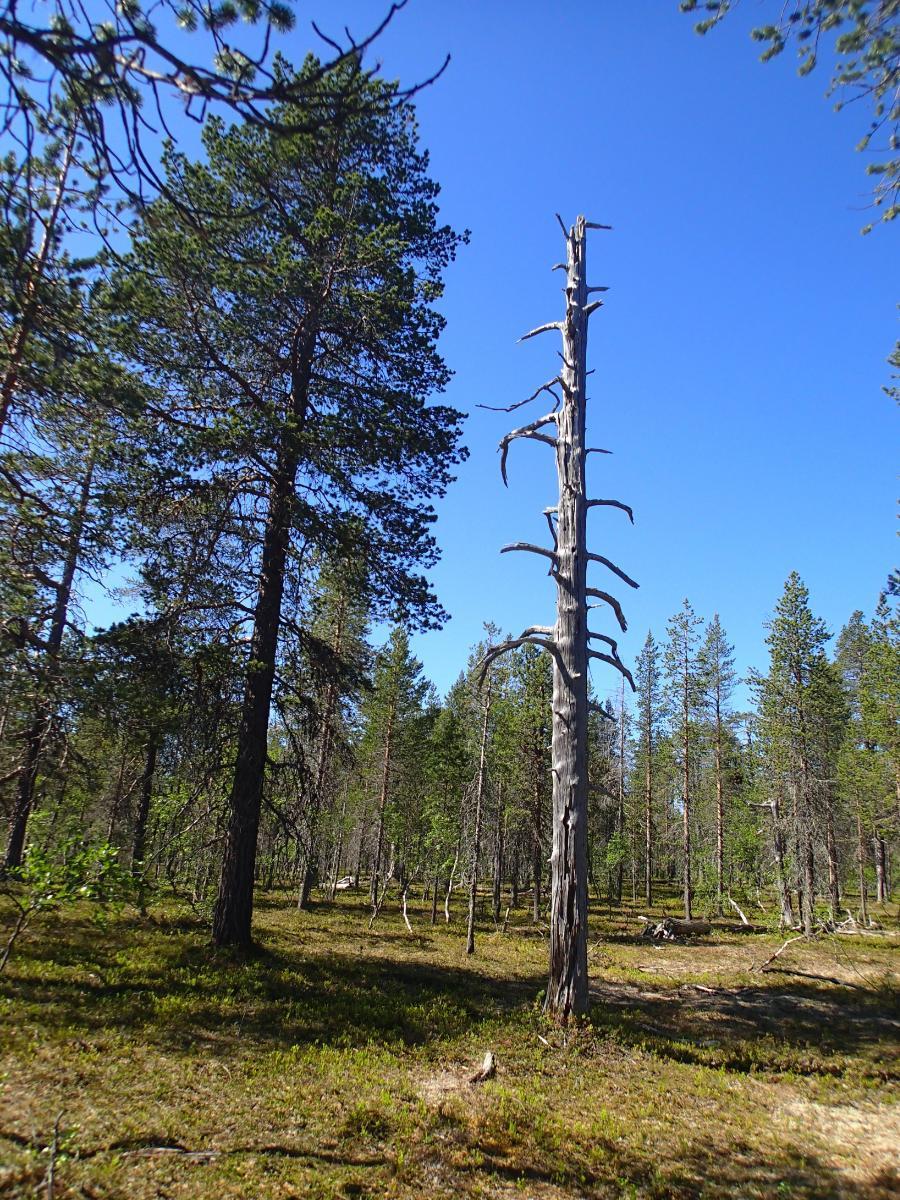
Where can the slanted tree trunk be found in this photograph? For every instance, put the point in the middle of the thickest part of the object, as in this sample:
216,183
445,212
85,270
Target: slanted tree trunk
43,718
567,640
233,913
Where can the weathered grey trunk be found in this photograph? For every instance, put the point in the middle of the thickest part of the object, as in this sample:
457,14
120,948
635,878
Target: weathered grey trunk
567,640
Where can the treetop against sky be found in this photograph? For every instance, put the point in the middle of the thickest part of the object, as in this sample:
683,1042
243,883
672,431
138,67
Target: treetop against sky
740,356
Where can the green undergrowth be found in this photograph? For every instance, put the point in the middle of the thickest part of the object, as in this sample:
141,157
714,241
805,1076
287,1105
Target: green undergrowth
335,1061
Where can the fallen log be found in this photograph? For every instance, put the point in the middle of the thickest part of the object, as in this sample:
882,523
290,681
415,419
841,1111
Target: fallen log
671,928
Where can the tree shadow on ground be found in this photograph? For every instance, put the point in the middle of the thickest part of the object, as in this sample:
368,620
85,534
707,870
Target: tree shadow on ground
739,1027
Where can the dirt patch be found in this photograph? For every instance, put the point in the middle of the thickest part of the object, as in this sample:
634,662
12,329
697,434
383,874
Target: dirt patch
438,1086
862,1141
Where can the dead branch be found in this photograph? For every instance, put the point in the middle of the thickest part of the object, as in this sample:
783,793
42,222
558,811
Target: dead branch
545,387
557,325
599,558
526,431
531,548
799,938
613,504
612,602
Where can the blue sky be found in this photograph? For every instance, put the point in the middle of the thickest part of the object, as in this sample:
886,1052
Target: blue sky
740,357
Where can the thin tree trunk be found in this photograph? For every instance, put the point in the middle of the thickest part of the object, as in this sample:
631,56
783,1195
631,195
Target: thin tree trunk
648,821
834,881
382,804
498,854
686,807
620,806
139,841
476,840
861,864
784,892
881,891
720,813
43,719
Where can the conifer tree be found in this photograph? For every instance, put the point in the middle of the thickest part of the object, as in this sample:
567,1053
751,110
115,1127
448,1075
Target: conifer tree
650,704
717,682
685,690
298,343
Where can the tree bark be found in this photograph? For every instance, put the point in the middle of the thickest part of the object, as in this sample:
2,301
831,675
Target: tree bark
233,914
567,992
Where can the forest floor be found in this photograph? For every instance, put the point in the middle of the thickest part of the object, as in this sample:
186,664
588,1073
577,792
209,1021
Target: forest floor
335,1062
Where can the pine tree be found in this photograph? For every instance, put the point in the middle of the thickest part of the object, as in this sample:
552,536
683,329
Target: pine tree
717,682
685,691
297,339
650,704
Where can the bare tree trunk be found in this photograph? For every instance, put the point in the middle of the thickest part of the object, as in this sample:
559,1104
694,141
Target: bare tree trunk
834,878
139,841
784,892
686,807
43,719
648,821
382,803
476,840
498,853
567,640
720,812
861,864
881,891
620,806
536,856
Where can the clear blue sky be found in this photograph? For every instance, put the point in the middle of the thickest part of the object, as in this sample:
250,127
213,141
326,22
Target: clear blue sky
741,353
740,357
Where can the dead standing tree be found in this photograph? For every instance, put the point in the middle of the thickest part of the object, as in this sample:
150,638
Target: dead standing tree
568,641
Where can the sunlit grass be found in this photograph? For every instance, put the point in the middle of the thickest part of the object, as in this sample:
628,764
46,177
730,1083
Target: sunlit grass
335,1062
